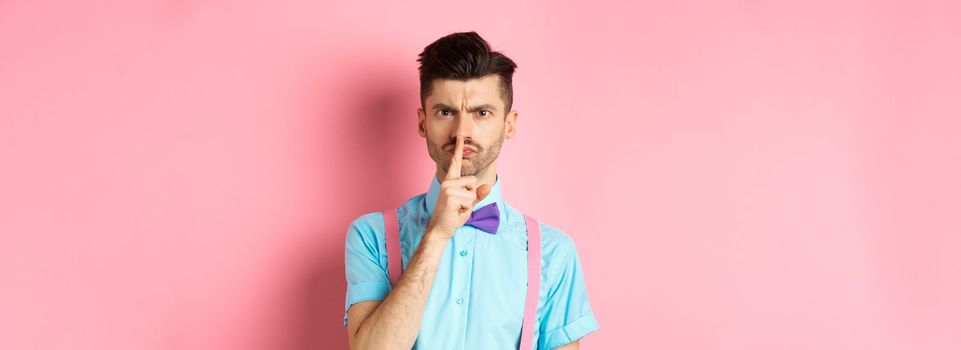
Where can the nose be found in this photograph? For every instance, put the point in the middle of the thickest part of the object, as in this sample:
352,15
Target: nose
465,127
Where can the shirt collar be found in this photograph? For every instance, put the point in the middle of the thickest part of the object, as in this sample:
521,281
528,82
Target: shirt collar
492,197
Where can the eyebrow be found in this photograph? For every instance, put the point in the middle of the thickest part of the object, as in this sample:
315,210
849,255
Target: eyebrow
486,106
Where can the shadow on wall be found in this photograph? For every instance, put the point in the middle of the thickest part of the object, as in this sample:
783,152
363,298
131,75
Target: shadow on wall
366,129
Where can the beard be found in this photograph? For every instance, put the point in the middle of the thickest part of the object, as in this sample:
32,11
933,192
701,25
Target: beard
472,166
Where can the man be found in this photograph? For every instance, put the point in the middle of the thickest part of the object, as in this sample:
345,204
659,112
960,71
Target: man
462,287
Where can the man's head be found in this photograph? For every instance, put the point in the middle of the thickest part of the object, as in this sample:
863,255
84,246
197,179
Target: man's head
465,89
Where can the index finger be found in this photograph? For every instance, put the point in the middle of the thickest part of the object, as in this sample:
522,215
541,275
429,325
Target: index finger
455,161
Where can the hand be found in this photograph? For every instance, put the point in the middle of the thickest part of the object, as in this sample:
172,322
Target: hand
457,197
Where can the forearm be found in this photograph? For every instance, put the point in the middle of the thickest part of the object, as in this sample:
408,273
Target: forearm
396,321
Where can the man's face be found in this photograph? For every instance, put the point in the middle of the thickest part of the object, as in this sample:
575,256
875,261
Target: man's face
473,109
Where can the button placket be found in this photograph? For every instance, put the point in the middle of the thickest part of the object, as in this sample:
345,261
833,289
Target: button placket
467,240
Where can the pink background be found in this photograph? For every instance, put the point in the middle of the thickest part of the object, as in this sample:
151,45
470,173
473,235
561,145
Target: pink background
748,175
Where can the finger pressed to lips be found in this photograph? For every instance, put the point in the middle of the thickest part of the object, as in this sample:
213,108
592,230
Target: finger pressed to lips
457,158
467,153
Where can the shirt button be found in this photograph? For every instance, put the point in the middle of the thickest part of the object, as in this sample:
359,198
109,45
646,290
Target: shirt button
463,253
459,300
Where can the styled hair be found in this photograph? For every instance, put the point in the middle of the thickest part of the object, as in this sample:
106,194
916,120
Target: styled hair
464,56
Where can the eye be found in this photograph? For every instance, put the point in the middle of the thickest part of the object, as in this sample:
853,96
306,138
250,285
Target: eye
484,113
444,112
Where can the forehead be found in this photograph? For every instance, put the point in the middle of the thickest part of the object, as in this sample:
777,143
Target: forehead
484,90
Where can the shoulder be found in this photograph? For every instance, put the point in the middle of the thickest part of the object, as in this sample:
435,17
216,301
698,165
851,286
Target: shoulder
374,221
369,227
367,222
365,233
555,244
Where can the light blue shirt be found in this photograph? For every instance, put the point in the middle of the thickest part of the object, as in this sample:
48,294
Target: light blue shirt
477,299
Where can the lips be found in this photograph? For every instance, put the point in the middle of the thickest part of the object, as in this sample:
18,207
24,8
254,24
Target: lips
467,152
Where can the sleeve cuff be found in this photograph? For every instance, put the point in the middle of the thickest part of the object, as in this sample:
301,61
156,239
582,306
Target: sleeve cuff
571,332
363,292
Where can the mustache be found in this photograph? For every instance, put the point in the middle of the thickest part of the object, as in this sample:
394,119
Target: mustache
473,146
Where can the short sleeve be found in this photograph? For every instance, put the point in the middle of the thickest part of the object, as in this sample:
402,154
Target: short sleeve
567,314
366,267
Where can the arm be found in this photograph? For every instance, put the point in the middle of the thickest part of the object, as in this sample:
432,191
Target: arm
395,322
571,346
570,317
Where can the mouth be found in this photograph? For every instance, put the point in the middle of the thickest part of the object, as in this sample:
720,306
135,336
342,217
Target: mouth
467,152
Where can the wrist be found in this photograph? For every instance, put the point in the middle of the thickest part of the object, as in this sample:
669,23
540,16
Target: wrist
433,233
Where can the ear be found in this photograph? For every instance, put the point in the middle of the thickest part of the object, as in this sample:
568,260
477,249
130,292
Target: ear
510,123
421,123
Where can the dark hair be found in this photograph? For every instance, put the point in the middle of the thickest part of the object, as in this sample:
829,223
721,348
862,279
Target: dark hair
464,56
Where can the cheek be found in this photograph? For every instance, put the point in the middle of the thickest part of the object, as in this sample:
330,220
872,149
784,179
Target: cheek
493,133
437,133
436,138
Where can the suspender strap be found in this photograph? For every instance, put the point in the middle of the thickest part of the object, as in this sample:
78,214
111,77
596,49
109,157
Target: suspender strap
392,232
533,282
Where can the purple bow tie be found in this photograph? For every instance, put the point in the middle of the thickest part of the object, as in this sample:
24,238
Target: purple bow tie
487,218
